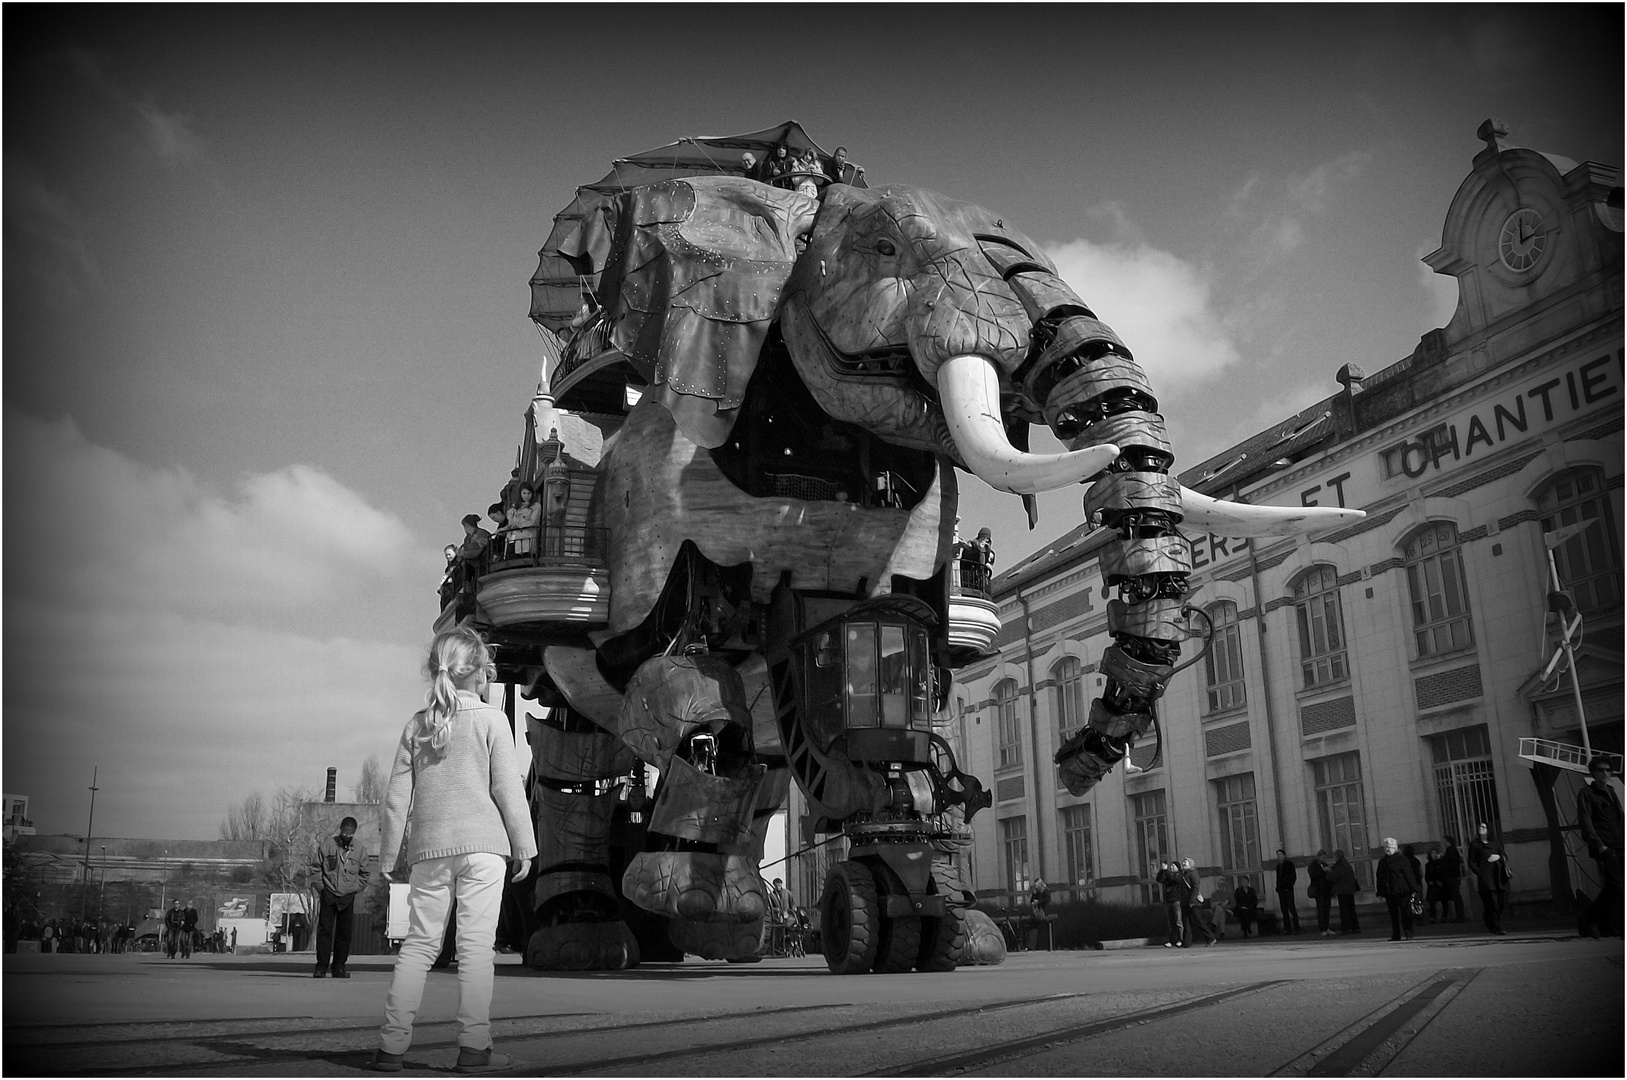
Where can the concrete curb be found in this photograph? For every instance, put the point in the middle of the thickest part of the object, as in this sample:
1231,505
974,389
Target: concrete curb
1122,943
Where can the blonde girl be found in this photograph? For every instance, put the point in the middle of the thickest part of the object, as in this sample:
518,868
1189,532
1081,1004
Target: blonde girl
455,792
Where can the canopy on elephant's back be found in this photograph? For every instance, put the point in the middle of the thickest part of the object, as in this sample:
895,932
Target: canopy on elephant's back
574,254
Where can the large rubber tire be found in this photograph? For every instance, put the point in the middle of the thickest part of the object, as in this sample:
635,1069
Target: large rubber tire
850,919
943,939
900,944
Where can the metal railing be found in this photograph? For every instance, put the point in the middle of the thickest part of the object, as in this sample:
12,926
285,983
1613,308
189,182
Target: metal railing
969,574
1563,755
549,545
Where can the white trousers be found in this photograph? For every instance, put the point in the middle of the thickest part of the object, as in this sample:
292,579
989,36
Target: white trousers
477,883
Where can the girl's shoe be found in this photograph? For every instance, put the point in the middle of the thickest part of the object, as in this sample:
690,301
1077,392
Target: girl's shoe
479,1061
385,1062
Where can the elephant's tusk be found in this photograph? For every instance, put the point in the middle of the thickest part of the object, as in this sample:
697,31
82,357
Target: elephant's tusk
1200,513
970,392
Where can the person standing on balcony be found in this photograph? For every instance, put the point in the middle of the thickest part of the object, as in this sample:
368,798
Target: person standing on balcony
1599,815
521,527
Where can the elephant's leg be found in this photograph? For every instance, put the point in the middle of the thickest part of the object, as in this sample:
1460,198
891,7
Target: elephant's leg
575,897
687,716
737,940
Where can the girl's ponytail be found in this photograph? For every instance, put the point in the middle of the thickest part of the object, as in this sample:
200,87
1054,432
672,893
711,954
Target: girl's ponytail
453,657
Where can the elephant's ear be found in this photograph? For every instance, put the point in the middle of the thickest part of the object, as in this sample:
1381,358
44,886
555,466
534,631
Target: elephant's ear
693,281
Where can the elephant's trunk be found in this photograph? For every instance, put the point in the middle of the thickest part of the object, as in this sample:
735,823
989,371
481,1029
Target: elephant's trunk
1094,394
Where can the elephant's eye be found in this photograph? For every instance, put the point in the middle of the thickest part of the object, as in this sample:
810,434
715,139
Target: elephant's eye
886,247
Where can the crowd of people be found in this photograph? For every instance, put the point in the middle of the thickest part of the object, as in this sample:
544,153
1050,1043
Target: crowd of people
804,170
179,935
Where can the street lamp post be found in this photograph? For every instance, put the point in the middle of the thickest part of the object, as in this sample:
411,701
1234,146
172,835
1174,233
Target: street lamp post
90,829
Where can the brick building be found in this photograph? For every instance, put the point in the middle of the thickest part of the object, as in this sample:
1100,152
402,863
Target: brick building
1376,680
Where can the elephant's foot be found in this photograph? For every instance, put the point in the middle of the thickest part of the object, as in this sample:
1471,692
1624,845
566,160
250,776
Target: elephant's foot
698,885
735,941
984,942
586,946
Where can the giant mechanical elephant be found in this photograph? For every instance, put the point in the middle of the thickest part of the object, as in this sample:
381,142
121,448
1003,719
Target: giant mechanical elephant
780,505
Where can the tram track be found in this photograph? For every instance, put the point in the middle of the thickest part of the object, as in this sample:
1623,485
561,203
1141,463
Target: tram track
1362,1048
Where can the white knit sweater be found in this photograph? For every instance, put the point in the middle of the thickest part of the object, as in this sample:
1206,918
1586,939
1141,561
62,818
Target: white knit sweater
468,800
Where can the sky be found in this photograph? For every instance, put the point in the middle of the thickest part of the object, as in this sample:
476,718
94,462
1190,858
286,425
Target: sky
265,334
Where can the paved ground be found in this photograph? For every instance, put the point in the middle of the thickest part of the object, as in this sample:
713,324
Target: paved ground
1452,1004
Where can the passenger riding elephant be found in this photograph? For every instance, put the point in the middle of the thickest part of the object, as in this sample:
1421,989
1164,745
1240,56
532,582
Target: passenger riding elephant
815,371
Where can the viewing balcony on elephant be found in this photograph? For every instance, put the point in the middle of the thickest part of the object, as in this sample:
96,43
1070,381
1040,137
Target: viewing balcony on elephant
560,579
974,619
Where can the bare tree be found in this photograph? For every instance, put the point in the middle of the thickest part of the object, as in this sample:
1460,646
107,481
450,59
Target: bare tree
370,785
246,820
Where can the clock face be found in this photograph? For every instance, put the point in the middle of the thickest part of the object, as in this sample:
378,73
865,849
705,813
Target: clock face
1523,240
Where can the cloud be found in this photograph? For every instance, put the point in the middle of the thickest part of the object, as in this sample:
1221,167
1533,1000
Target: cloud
46,246
1278,213
129,535
167,135
181,638
1162,306
1440,291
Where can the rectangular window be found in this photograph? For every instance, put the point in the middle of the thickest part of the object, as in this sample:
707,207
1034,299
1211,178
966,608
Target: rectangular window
1465,785
1014,843
1340,811
1009,731
1321,640
1152,837
1223,666
1070,698
1440,604
861,675
1239,826
1076,839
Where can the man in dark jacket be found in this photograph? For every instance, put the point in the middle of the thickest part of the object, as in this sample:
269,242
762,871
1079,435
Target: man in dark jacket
1397,883
1247,902
1599,815
1489,865
1452,879
189,929
1342,880
1169,890
338,863
1191,897
1286,877
1317,890
174,923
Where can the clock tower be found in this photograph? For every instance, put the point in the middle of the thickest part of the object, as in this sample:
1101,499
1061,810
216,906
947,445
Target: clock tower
1528,237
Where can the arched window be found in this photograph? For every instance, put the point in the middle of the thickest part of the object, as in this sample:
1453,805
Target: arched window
1223,666
1321,627
1440,601
1589,561
1069,674
1006,729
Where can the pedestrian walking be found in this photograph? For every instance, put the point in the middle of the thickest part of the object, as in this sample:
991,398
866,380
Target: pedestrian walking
338,863
455,791
1397,884
1342,880
1286,877
189,929
1320,891
1169,888
1191,900
174,922
1452,879
1599,815
1247,905
1489,865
